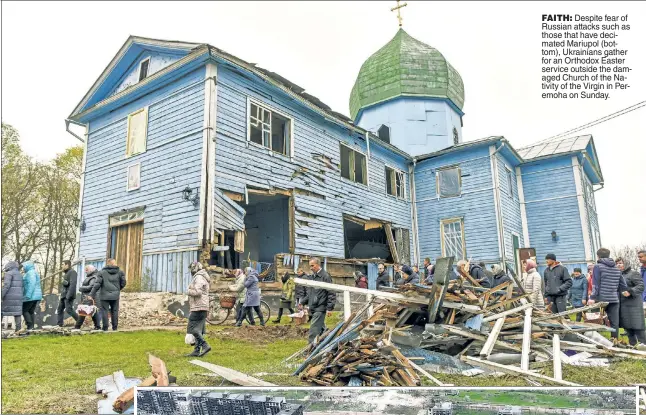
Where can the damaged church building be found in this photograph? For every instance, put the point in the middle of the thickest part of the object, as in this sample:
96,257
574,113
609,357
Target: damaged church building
194,154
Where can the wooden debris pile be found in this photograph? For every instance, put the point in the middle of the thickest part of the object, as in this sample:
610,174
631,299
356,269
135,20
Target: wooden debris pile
491,330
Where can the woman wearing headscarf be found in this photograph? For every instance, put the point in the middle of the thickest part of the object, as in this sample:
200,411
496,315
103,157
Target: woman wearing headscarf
499,275
240,289
198,301
32,293
252,298
91,273
287,296
533,284
12,293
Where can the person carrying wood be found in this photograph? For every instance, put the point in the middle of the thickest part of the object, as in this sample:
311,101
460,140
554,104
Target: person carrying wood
198,301
287,296
68,294
319,300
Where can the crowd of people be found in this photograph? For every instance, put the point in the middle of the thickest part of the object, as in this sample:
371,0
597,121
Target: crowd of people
608,281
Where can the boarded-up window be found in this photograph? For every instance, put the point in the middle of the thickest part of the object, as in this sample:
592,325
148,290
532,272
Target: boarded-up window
449,182
137,126
269,129
395,182
353,165
134,177
452,231
510,183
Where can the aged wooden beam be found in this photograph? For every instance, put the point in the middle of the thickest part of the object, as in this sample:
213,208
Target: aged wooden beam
158,369
556,316
391,242
527,339
493,336
506,313
556,355
127,398
513,370
231,375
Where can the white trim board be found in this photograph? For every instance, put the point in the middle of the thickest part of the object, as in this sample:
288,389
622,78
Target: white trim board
493,160
583,212
523,210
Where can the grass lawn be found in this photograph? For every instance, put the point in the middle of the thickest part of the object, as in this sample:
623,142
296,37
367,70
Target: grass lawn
56,374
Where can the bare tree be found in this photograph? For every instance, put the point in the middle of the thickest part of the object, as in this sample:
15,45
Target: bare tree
628,253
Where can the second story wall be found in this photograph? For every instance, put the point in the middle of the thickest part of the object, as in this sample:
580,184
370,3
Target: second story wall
321,195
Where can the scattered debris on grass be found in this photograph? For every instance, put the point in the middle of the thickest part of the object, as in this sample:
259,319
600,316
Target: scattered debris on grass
262,335
231,375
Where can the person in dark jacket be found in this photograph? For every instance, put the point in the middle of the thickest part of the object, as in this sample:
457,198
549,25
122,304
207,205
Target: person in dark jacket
409,277
91,273
607,284
578,294
109,283
12,293
319,300
32,293
360,280
68,294
383,278
557,282
642,270
287,296
499,275
474,271
428,268
631,311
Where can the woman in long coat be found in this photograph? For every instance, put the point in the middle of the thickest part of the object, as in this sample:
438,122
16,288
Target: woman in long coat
32,293
240,290
198,301
533,283
91,274
631,311
252,298
12,293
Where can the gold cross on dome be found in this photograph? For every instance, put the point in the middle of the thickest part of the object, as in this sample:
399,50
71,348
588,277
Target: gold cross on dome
399,16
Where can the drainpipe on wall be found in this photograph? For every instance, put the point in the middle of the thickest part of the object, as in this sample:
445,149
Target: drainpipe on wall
499,214
413,204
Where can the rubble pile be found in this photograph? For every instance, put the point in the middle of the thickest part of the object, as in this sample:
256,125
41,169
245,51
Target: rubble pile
459,325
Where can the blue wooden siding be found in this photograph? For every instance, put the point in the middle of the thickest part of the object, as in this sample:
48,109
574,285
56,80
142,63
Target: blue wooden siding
475,205
239,165
171,162
158,61
227,214
551,204
510,207
168,271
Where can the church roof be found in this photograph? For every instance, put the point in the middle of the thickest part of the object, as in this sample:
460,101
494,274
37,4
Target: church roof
405,67
551,148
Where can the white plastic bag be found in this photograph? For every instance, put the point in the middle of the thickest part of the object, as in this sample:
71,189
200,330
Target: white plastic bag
189,339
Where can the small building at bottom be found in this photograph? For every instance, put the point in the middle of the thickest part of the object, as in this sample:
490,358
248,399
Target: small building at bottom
154,402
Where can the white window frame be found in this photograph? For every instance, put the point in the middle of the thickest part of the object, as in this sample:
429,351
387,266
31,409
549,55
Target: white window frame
132,114
367,183
396,171
139,69
589,194
510,182
282,114
437,181
128,189
464,245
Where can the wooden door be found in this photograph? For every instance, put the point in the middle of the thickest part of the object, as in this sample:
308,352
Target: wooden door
126,248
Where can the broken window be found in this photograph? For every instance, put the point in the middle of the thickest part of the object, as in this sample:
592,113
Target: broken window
269,129
510,182
452,231
143,68
384,133
134,177
395,182
353,165
137,124
448,182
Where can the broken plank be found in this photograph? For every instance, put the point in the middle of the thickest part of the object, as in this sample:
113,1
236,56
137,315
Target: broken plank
527,340
127,398
512,370
493,336
158,370
232,375
556,316
428,375
506,313
556,355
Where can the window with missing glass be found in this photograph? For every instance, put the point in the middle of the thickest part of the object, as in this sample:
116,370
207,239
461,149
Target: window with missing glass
510,182
143,69
270,129
448,182
353,165
395,182
453,244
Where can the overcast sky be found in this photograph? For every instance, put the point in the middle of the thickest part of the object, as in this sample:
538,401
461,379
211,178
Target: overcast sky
52,52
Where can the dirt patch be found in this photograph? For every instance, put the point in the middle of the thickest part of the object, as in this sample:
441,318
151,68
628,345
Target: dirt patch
258,334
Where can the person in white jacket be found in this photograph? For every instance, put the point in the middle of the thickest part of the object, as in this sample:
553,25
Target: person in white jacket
533,283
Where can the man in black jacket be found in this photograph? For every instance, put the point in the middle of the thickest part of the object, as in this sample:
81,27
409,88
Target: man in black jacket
557,284
68,294
465,268
319,300
110,282
383,278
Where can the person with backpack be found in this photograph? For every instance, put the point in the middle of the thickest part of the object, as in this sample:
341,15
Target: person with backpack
109,283
32,293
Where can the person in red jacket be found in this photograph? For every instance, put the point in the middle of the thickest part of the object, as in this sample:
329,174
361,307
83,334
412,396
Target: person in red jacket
589,278
360,280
